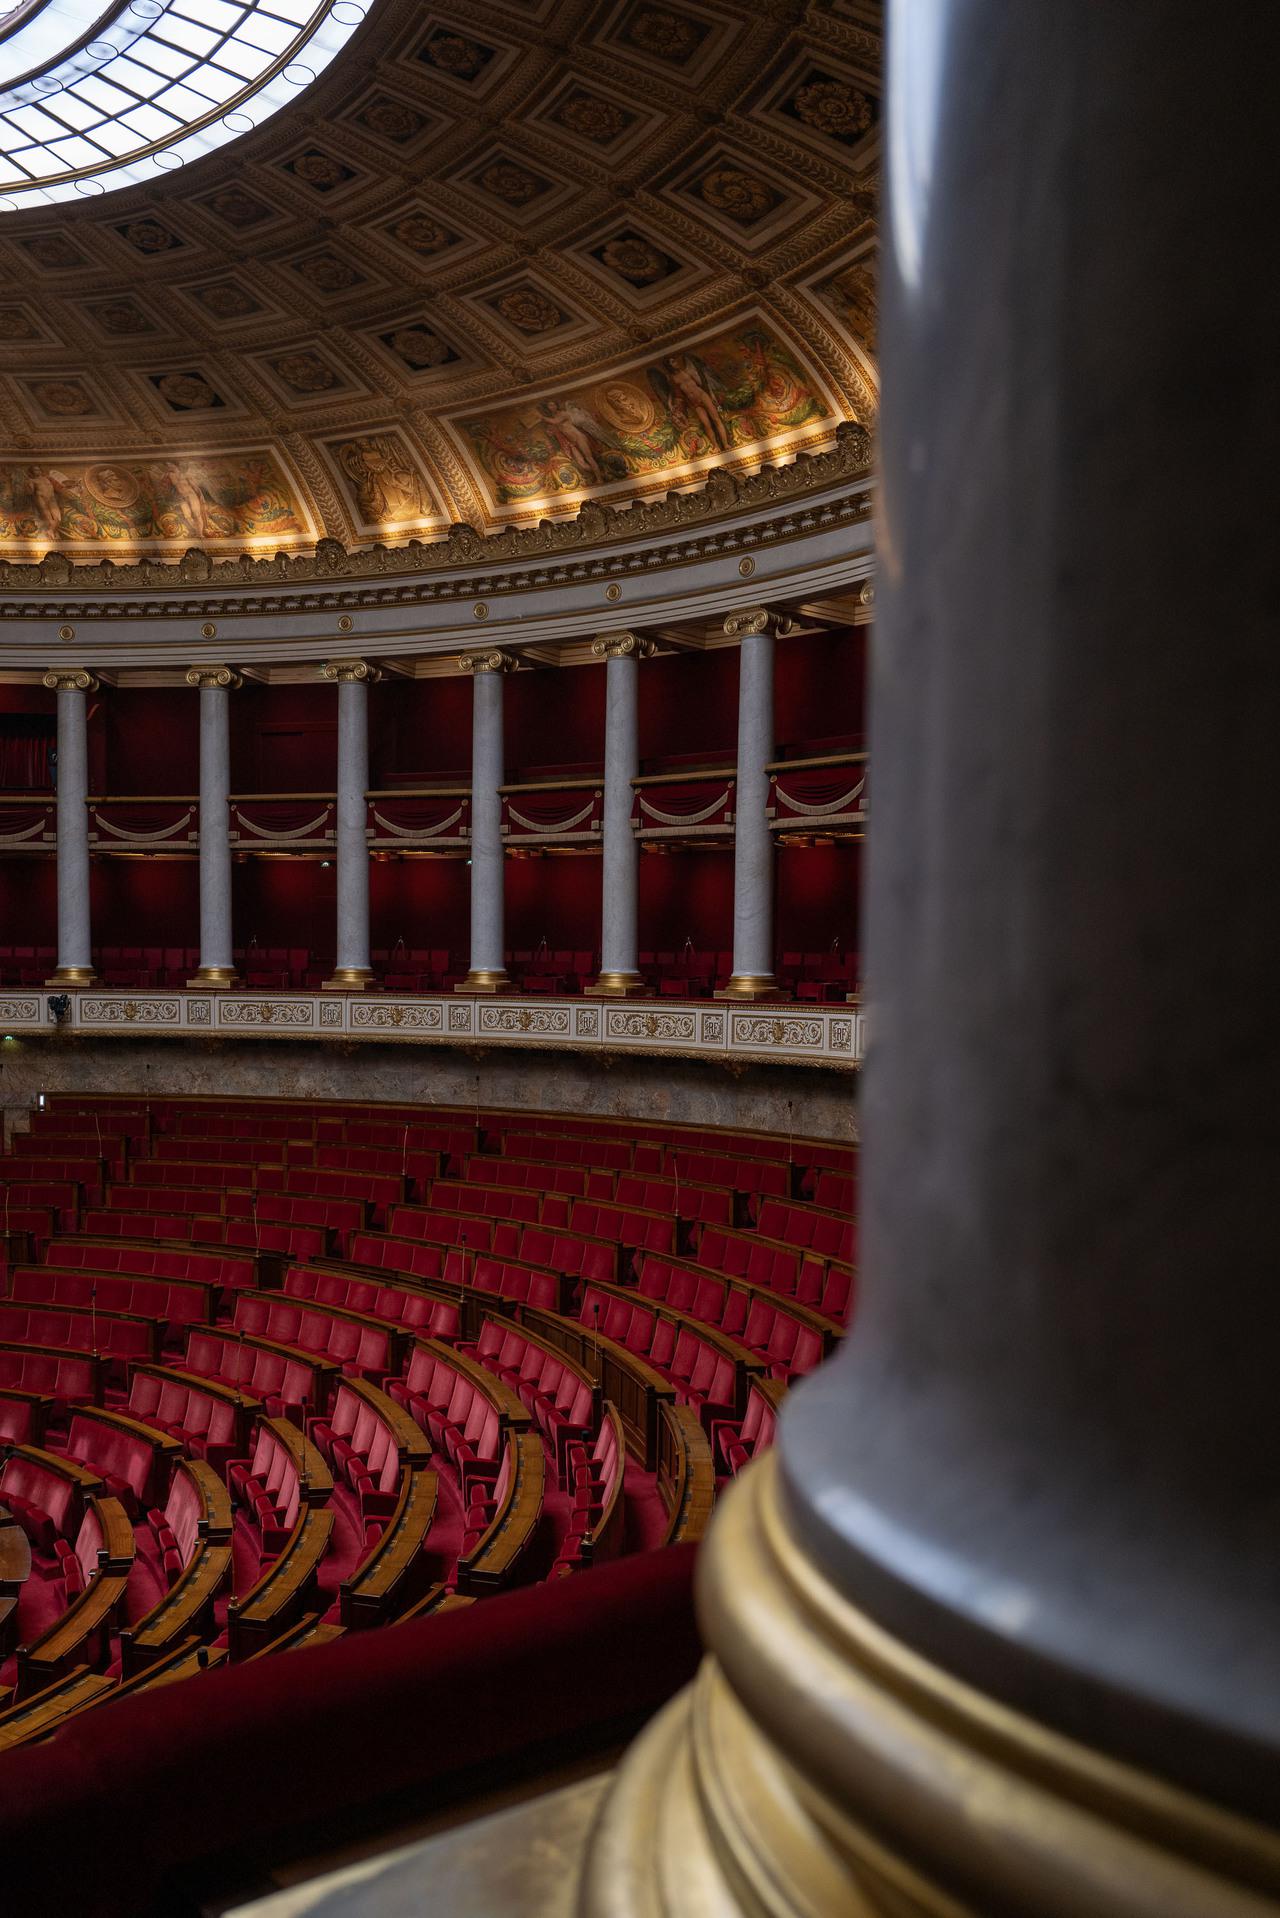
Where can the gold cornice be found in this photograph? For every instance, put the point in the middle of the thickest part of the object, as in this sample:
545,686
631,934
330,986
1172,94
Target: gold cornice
596,524
819,1765
222,676
622,646
69,679
350,671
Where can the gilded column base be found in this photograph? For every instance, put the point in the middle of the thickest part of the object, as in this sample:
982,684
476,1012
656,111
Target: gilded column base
484,981
349,979
72,976
818,1766
619,985
217,978
752,985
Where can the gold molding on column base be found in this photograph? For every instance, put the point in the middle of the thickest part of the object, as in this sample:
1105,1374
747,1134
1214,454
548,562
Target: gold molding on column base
72,976
348,979
215,978
619,985
494,981
752,985
818,1765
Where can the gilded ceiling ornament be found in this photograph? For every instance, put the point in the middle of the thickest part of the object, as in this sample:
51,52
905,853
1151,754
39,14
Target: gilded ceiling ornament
833,107
149,236
327,273
54,251
121,317
16,324
743,196
186,390
391,119
595,119
512,183
528,309
305,372
635,259
420,233
225,300
319,170
666,34
419,348
461,58
65,397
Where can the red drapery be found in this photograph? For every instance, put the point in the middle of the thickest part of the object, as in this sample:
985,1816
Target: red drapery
25,748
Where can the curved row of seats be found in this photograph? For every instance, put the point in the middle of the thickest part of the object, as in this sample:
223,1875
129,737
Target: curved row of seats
288,1320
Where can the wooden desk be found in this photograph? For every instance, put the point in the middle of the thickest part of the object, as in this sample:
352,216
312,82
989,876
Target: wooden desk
382,1583
42,1713
271,1605
15,1553
493,1561
185,1609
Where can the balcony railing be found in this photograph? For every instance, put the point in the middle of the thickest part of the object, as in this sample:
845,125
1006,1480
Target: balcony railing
690,807
419,818
553,812
825,796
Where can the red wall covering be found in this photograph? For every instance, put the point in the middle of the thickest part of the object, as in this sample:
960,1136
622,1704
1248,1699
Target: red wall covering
689,707
817,897
554,721
28,902
686,895
425,902
554,899
144,902
284,903
420,732
284,739
149,740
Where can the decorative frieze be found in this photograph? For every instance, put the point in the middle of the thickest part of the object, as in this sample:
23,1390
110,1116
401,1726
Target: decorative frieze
828,1035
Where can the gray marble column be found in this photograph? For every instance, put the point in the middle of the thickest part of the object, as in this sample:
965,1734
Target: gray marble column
75,959
352,971
488,970
217,959
753,853
619,945
1047,1457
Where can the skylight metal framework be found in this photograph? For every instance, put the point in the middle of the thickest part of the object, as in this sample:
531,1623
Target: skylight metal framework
88,105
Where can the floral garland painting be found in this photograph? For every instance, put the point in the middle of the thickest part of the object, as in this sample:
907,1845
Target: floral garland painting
134,502
738,389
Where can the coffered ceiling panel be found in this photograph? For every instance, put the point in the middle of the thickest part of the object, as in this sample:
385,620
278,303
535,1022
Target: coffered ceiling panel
499,259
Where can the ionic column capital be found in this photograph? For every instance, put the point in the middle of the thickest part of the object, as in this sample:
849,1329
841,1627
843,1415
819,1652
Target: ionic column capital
203,676
492,661
621,645
69,679
758,619
350,670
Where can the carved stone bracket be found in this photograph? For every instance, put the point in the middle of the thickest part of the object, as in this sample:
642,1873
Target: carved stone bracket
350,669
493,661
622,646
68,679
214,676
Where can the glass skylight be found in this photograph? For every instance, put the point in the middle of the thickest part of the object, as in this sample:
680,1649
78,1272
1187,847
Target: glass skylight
96,95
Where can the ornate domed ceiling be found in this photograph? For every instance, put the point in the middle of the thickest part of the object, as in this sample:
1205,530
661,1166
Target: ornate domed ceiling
499,259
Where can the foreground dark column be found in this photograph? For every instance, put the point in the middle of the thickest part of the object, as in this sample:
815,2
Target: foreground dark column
998,1628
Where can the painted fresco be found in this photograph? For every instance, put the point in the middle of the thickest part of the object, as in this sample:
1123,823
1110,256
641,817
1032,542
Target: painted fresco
736,389
139,502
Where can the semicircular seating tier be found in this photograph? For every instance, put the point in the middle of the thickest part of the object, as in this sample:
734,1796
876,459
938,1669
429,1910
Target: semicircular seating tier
276,1373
